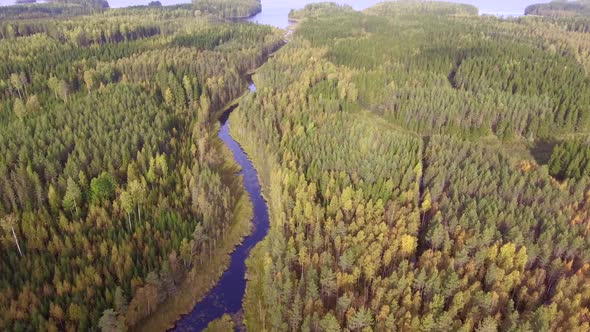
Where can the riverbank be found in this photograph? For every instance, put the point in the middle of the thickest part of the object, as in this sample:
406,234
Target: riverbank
253,318
227,296
253,315
203,277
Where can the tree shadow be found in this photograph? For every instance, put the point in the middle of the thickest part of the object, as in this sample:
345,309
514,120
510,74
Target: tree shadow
541,149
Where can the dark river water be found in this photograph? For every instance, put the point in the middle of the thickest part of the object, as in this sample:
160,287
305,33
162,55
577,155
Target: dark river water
227,295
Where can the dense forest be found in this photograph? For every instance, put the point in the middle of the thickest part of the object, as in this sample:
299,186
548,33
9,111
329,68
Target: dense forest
228,8
570,159
560,8
54,8
316,9
399,150
386,143
113,183
97,4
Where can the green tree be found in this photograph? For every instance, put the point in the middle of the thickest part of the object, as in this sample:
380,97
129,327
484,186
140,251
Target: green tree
54,199
73,196
33,105
90,79
362,318
15,81
19,108
137,191
120,301
186,252
9,222
103,187
329,323
128,205
489,324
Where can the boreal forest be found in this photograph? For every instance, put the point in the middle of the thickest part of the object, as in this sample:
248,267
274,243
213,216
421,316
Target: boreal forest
424,167
426,170
114,187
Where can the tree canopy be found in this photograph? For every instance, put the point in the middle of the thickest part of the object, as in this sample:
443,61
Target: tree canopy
386,140
113,183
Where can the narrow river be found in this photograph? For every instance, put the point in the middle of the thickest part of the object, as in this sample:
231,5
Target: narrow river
227,295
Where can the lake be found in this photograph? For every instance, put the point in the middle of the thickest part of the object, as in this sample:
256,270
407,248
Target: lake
275,11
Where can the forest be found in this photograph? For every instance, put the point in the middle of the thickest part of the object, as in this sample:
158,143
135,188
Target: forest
113,184
426,168
396,151
54,8
230,9
560,8
570,159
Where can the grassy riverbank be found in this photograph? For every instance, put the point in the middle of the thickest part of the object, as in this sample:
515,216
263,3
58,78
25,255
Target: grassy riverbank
253,316
203,277
223,324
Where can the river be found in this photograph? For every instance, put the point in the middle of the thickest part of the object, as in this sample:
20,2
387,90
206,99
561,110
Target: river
227,295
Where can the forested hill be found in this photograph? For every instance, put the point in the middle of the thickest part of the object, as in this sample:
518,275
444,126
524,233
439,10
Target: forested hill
53,8
315,9
394,148
113,184
228,8
560,8
98,4
442,76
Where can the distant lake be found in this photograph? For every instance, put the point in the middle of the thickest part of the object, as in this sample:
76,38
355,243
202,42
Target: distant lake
274,11
116,3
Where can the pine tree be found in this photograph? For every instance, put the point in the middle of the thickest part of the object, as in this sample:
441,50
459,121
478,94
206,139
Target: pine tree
73,196
9,222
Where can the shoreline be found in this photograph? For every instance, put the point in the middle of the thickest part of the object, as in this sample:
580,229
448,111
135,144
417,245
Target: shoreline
191,292
253,275
192,289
